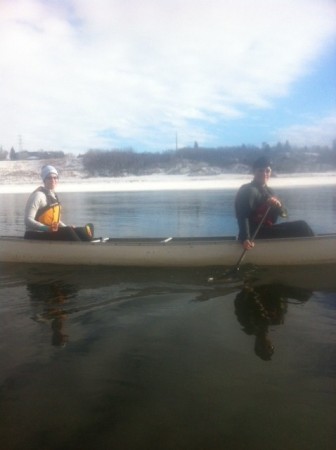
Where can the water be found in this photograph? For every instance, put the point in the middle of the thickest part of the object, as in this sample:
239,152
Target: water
132,359
170,213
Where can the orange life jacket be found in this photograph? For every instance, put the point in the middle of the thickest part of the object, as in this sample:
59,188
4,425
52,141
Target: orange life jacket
51,213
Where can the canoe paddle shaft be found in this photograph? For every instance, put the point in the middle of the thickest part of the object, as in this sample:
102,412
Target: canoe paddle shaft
252,239
236,267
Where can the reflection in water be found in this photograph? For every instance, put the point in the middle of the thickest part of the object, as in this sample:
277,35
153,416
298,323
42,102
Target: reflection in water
259,307
147,366
53,297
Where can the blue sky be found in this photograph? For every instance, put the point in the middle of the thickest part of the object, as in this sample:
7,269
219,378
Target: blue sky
80,74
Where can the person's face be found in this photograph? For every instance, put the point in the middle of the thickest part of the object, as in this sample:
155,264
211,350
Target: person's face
50,181
262,175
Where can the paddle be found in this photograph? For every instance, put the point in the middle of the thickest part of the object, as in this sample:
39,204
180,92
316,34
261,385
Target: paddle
235,268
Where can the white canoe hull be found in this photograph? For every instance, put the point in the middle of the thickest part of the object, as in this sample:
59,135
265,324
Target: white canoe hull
172,252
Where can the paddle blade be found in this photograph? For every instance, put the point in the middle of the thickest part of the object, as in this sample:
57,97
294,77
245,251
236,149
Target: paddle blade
229,275
235,274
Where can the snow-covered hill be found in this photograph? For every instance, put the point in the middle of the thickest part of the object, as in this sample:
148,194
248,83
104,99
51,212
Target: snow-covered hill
28,171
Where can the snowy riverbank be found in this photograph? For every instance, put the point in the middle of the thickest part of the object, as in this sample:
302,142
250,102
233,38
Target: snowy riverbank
23,177
168,182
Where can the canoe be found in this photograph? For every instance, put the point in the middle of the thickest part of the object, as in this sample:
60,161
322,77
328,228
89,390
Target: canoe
170,252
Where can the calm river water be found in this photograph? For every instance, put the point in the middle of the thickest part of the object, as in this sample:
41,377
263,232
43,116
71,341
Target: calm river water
141,359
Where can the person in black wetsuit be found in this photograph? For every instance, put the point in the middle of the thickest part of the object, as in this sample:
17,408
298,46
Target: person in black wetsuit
251,203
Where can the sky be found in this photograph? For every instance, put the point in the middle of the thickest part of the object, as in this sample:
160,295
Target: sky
154,75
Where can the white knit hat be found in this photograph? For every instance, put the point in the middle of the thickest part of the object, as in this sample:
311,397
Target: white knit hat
47,170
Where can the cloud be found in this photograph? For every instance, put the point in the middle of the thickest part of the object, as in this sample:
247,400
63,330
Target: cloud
317,132
79,74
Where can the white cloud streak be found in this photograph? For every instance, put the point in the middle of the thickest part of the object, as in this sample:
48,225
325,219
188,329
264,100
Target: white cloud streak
77,74
318,132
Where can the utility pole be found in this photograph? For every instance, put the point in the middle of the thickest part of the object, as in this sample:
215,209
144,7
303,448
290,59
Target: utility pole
20,142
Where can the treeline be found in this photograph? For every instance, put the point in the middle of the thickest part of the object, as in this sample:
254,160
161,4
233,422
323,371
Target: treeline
193,160
25,155
117,163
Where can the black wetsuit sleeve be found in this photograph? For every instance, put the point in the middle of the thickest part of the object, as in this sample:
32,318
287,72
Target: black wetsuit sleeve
244,204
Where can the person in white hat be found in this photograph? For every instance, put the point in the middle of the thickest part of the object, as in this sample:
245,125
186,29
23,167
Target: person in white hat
43,212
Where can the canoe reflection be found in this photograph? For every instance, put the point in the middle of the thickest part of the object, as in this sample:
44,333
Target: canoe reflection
52,298
259,307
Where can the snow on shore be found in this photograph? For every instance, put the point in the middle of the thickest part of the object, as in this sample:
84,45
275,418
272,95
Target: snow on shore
23,177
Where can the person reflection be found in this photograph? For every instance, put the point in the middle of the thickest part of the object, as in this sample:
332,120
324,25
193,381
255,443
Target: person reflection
259,307
52,297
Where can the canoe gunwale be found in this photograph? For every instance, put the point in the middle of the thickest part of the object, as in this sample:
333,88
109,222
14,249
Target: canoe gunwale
167,240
